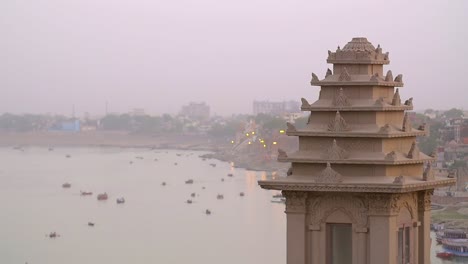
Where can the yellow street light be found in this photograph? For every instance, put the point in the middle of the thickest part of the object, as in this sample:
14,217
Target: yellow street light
274,142
253,132
281,131
247,134
250,142
232,141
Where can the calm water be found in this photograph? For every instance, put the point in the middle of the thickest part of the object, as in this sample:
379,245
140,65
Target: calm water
155,225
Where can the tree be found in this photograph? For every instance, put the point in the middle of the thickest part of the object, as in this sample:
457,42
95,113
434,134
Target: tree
453,113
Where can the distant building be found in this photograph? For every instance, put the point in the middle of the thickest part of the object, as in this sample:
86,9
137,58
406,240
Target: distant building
196,111
276,108
138,112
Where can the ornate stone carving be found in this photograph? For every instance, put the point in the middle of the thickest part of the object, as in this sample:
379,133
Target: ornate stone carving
399,78
340,99
396,101
305,103
296,202
375,78
290,127
389,76
321,207
328,175
290,171
344,76
282,154
424,200
314,78
335,152
422,127
329,72
386,56
383,204
378,50
338,124
406,123
409,102
414,151
399,180
386,129
380,101
392,156
428,174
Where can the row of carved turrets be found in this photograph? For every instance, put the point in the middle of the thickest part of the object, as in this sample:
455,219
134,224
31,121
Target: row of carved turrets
346,77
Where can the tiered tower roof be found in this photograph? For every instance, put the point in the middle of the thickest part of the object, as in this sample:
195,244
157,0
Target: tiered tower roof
359,137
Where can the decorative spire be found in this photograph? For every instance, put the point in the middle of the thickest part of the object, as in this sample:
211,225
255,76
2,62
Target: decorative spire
375,77
396,101
399,78
392,156
380,101
389,76
399,180
335,152
305,103
386,129
314,78
344,76
409,102
329,72
414,151
428,174
290,127
422,127
340,99
407,123
338,123
328,175
378,50
282,154
290,171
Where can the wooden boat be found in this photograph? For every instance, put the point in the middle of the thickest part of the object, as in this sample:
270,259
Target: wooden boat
66,185
456,247
102,196
86,193
241,194
444,255
230,175
220,197
90,224
189,181
450,234
120,200
189,201
53,235
208,212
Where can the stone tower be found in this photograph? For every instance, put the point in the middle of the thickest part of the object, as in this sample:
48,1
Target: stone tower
359,190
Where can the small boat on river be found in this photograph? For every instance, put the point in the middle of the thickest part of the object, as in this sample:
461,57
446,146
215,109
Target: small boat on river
444,255
66,185
189,181
456,247
102,196
120,200
450,234
86,193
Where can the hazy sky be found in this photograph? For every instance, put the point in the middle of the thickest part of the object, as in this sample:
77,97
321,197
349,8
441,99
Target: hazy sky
158,55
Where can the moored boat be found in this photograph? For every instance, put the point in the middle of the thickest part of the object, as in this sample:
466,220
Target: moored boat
86,193
444,255
450,234
120,200
189,181
456,247
102,196
66,185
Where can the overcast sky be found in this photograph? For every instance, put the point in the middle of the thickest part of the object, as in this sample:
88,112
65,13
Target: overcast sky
158,55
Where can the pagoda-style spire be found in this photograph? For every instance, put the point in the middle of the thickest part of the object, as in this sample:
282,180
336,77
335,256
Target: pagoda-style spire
406,123
329,72
328,175
391,156
305,103
389,76
340,99
282,154
314,78
409,102
290,127
414,151
396,101
428,174
399,78
335,152
338,124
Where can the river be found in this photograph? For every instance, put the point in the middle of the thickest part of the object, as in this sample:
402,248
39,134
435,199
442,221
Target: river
154,225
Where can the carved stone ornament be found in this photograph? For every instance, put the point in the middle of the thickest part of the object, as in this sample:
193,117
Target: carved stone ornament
422,127
329,72
392,156
399,180
305,103
383,204
414,151
386,129
290,171
314,78
340,99
407,123
320,207
396,101
399,78
428,174
310,118
344,76
282,154
389,76
380,101
424,200
375,78
328,175
296,202
290,127
409,102
335,152
338,124
378,50
386,56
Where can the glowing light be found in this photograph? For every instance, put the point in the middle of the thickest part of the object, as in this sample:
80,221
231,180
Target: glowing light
247,134
250,142
232,141
264,145
281,131
253,132
274,142
262,141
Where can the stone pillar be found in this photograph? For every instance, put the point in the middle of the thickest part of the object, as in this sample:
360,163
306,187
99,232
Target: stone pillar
383,228
424,217
316,245
296,227
360,256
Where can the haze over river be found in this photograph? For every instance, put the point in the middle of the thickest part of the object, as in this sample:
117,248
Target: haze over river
155,225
